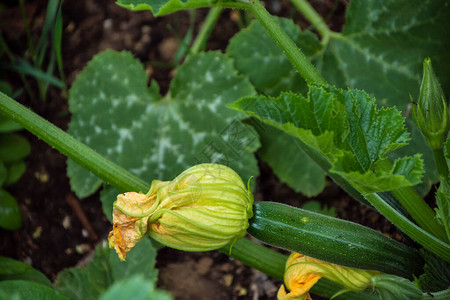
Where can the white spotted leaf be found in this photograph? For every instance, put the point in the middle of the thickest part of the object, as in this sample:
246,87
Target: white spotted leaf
115,113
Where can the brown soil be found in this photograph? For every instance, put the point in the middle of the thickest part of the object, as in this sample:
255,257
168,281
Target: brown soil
59,230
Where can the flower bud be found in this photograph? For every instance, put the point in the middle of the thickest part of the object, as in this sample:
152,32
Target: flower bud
203,208
302,272
430,114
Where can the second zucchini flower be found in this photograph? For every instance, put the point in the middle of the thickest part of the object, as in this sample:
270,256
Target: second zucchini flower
302,272
431,113
204,208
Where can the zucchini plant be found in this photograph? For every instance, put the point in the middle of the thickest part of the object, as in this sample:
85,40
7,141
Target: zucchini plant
338,105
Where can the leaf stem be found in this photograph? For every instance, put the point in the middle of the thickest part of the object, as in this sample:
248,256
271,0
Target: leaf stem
314,18
205,30
441,163
421,213
425,239
292,52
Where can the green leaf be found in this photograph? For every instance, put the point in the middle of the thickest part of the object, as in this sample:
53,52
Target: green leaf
29,290
105,269
443,206
391,287
347,129
163,7
257,56
115,113
289,162
14,172
135,287
405,172
11,269
417,144
13,147
10,216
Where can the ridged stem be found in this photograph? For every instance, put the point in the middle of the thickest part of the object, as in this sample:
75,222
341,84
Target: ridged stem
422,237
300,62
421,213
314,18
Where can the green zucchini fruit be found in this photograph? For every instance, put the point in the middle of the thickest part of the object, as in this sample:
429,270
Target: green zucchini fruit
332,240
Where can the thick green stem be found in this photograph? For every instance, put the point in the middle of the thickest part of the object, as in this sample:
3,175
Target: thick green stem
292,52
425,239
259,257
421,213
205,30
312,16
441,163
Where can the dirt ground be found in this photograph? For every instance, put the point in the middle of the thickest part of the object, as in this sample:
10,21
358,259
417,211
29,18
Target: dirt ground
60,230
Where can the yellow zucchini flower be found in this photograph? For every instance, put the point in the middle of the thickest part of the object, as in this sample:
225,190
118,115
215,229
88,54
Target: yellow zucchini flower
204,208
302,272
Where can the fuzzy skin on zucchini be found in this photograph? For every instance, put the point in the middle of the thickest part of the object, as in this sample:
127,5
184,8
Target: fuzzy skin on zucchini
333,240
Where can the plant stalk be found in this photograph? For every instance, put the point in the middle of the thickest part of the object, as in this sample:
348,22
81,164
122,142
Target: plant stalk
292,52
421,213
314,18
441,163
205,30
425,239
